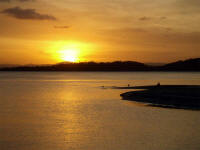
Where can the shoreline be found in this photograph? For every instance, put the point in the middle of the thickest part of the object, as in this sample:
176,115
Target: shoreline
173,96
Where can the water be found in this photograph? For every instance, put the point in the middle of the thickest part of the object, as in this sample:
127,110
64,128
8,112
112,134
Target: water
69,111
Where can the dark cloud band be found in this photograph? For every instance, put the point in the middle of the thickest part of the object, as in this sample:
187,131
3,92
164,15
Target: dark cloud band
16,0
61,27
144,18
31,14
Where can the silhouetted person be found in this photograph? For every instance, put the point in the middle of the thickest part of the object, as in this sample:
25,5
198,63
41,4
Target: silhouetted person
158,84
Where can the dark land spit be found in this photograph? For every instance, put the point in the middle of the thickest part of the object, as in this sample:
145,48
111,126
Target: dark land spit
170,96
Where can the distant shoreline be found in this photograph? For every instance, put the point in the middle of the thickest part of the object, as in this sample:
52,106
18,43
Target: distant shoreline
190,65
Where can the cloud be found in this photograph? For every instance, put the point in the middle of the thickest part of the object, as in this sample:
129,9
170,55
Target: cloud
4,0
163,18
25,0
61,27
190,2
16,0
153,18
158,43
144,18
31,14
188,6
153,36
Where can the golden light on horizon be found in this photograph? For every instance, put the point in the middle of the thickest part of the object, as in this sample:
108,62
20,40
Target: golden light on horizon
71,51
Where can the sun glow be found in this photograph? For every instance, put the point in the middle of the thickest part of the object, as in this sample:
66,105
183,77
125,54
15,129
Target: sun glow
71,51
70,55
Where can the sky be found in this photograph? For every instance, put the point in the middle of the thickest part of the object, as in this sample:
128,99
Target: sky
49,31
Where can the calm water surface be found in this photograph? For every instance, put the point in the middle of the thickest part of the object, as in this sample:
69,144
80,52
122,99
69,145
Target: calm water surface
69,111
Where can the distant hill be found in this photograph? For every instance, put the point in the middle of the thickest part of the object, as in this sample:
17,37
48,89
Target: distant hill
155,64
187,65
85,66
7,65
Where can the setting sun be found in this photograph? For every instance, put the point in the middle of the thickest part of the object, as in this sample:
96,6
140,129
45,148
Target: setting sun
67,51
71,51
69,55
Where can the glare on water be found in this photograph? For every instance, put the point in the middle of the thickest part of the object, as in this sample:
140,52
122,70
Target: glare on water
58,111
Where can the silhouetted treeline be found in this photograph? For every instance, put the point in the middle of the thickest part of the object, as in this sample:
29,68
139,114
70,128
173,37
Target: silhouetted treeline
188,65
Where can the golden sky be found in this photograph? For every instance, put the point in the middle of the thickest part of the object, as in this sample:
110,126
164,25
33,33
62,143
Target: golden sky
51,31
